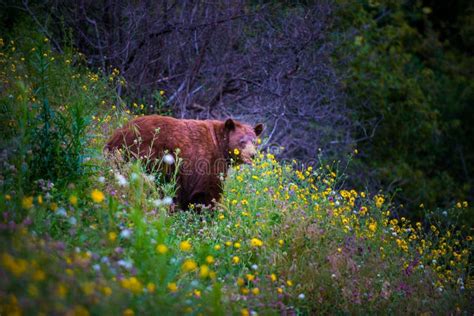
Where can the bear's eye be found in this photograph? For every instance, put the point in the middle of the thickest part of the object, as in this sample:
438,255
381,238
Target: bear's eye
243,142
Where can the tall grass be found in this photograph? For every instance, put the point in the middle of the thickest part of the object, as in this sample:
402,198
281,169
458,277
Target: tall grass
47,107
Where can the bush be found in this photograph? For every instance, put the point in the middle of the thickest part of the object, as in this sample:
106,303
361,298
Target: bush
410,92
47,107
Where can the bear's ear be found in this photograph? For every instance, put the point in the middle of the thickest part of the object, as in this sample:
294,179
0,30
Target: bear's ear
229,124
258,129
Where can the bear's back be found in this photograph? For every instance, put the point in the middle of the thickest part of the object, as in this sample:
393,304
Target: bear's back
151,135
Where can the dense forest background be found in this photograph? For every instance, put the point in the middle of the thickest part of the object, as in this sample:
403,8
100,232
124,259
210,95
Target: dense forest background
392,79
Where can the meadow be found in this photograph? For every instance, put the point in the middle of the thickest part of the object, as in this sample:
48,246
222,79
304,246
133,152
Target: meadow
85,233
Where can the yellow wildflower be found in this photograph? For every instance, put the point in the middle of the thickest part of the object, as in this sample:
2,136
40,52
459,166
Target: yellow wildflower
88,288
73,200
107,291
204,271
17,267
151,287
185,246
27,202
379,200
128,312
39,275
80,310
172,287
373,226
255,242
235,260
97,196
61,290
210,259
189,265
132,284
112,236
162,249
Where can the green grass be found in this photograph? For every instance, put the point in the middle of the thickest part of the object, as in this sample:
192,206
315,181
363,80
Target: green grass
283,240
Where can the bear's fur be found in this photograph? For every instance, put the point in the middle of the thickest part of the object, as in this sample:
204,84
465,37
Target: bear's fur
205,147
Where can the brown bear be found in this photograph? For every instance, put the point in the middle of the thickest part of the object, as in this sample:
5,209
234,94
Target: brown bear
206,148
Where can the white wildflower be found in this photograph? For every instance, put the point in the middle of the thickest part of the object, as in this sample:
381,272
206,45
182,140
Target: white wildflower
101,179
168,159
157,202
126,264
72,220
167,200
121,180
301,296
61,212
126,233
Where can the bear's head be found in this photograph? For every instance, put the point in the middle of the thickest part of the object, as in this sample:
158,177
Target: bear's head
242,140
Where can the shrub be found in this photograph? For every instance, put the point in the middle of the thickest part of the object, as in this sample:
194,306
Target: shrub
47,107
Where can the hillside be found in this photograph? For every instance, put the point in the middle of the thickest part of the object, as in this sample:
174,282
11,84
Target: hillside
100,238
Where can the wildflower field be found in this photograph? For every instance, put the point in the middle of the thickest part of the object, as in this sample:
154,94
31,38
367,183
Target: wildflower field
84,233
